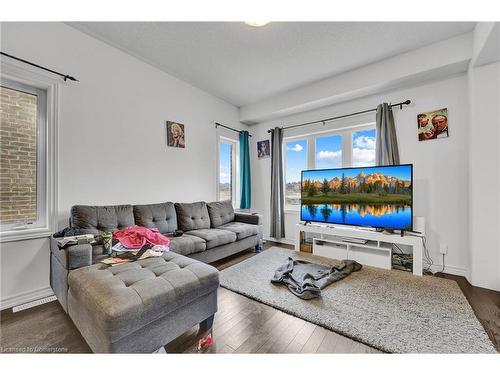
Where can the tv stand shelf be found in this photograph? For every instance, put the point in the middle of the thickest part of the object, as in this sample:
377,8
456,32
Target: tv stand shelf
375,249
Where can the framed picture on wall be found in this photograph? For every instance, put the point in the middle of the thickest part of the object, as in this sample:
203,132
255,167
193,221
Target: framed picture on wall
263,149
433,125
175,134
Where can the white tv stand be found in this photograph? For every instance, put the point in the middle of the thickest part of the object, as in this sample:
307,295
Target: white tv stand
377,251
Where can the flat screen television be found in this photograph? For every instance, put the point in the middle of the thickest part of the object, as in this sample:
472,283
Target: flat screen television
379,197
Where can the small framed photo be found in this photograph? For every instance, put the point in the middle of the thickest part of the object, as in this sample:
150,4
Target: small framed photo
433,125
175,134
263,149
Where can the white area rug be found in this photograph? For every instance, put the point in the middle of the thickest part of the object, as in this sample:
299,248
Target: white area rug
393,311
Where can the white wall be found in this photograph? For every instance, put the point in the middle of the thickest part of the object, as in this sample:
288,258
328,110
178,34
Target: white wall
112,134
484,165
440,166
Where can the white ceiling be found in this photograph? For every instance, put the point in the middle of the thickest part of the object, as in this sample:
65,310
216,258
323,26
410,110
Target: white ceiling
243,64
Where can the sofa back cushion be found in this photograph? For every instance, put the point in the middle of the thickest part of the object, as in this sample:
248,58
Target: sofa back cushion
161,216
98,219
191,216
220,213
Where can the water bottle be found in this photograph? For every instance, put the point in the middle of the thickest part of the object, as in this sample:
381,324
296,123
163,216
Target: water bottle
107,238
260,246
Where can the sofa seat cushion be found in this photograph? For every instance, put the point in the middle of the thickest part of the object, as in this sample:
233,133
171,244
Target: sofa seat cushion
187,244
192,216
242,230
214,237
220,213
126,297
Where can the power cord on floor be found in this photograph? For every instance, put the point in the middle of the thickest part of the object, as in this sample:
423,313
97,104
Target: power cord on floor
426,255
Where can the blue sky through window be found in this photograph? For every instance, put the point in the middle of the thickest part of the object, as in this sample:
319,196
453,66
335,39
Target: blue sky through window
296,159
329,152
363,148
224,162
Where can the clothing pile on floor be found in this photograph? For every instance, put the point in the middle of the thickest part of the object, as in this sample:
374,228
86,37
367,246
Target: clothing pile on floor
306,279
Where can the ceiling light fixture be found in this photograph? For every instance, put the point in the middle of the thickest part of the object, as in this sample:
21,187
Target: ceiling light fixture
256,23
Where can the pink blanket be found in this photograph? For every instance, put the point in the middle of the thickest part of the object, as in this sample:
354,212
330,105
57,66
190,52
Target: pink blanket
136,237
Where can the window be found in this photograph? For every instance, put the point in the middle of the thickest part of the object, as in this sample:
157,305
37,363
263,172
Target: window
363,148
329,152
353,147
22,159
227,170
295,163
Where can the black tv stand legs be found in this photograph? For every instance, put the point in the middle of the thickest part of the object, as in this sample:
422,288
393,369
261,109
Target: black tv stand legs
307,222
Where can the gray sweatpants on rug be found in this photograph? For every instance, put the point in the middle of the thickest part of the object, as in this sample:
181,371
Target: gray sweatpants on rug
305,279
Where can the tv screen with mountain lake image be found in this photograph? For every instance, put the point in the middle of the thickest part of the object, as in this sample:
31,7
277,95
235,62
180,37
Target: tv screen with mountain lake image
379,197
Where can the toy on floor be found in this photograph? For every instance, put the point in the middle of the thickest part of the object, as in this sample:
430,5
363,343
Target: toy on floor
205,343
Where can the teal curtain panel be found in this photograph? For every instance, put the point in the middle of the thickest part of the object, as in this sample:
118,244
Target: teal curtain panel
245,180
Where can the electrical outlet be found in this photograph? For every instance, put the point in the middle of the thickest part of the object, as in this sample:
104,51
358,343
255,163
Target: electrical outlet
443,248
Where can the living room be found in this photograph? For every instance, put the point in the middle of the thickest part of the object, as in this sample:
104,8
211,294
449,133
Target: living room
246,158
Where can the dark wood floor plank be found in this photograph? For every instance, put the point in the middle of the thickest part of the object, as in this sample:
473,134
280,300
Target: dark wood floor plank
260,335
314,341
259,317
274,334
300,339
286,337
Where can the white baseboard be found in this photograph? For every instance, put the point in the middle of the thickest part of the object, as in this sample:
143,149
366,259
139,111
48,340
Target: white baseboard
22,298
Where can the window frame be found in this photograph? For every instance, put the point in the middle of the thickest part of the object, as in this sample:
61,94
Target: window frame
20,77
347,153
285,141
234,168
41,146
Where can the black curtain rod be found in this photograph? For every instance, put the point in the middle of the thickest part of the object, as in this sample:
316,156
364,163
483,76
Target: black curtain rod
228,127
65,76
400,105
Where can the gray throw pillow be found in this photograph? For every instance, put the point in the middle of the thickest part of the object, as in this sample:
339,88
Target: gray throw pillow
191,216
159,215
220,213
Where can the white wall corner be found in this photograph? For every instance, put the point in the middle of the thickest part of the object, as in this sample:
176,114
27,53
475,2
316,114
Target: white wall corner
486,43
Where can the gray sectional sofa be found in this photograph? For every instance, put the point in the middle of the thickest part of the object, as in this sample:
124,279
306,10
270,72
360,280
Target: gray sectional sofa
141,306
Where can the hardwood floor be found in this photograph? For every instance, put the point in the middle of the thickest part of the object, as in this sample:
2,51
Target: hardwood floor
241,325
485,303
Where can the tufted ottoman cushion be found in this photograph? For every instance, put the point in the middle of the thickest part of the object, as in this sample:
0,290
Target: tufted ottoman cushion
123,298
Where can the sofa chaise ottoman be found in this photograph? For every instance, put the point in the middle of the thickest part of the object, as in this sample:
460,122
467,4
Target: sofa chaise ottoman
139,307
